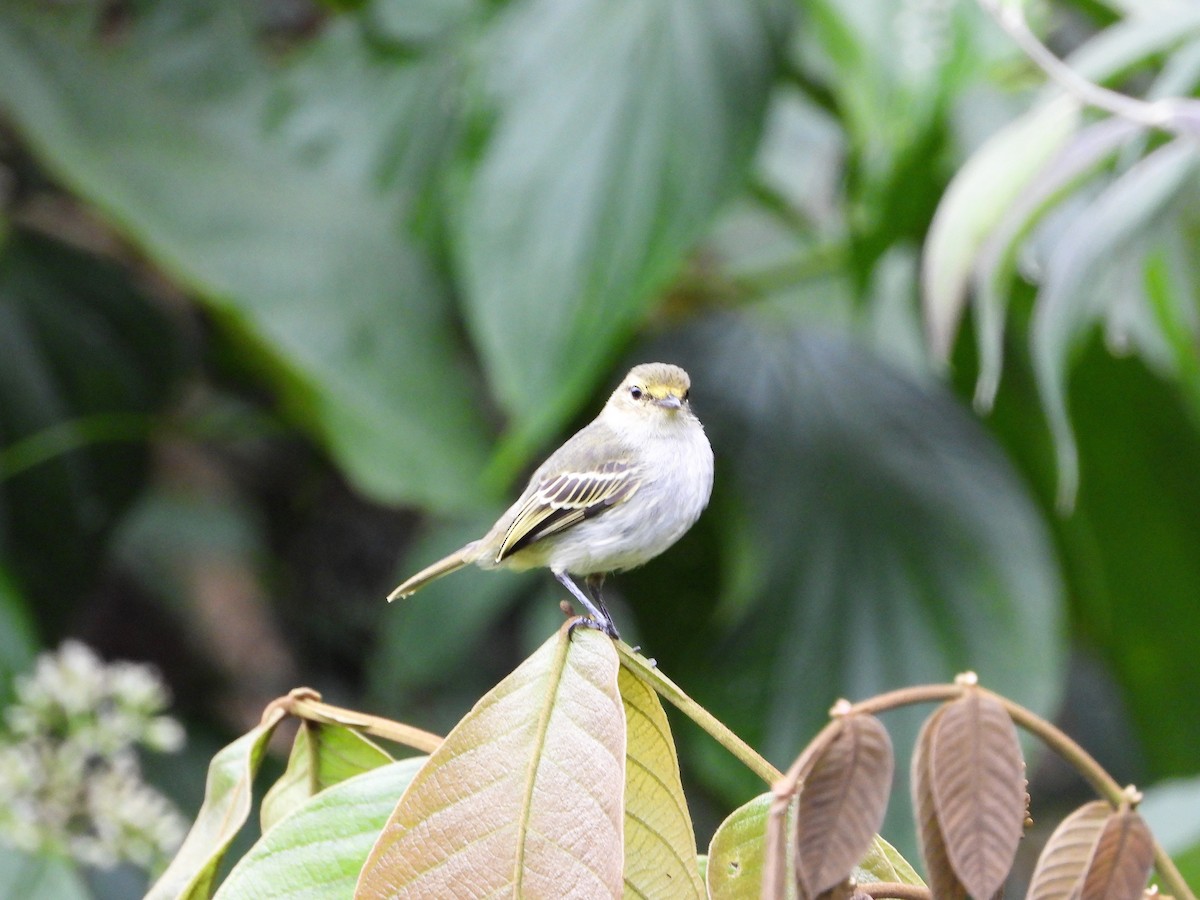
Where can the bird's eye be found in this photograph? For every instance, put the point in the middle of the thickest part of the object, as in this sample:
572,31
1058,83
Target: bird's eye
635,392
687,394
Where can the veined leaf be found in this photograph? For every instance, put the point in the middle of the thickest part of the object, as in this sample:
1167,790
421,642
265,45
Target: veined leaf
660,845
1064,860
309,267
977,776
316,852
523,797
1121,861
842,802
227,799
943,881
621,127
322,755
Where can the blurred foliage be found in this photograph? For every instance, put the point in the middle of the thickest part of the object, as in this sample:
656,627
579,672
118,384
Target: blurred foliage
291,294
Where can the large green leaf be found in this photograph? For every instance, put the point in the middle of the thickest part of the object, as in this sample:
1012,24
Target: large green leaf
304,260
621,126
317,851
892,541
85,362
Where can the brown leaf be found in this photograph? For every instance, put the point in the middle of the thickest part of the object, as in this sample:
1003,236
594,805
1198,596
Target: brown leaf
524,797
943,882
842,803
977,775
1064,860
1122,859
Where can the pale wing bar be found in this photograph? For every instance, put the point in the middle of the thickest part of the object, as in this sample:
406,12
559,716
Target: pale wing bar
567,499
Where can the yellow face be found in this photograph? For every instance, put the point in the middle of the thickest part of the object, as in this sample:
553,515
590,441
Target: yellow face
654,385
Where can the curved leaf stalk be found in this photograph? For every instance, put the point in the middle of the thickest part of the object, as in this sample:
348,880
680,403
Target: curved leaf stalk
894,889
305,703
1082,761
1175,115
643,669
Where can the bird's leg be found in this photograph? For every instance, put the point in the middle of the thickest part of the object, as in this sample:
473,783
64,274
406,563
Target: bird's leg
596,611
592,585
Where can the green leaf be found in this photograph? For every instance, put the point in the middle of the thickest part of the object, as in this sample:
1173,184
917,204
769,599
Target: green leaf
1070,299
996,262
322,755
308,266
620,128
898,546
39,877
975,203
524,795
660,846
317,851
226,807
736,854
85,362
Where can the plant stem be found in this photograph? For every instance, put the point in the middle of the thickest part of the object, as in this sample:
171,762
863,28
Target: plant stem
667,689
305,703
894,889
1165,115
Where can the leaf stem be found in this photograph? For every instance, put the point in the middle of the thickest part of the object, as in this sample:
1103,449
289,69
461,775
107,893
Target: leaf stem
305,703
894,889
643,669
1170,115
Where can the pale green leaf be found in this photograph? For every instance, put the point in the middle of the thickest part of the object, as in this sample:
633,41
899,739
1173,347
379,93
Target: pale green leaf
660,845
523,798
317,851
1070,299
974,204
226,807
322,755
736,855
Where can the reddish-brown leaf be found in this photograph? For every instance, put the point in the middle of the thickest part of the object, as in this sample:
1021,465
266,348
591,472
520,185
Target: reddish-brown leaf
977,776
1122,859
1064,860
943,882
842,803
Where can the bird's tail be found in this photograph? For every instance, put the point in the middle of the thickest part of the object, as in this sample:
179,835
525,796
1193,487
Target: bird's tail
445,566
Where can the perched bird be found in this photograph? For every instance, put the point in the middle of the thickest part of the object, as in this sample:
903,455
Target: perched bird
619,492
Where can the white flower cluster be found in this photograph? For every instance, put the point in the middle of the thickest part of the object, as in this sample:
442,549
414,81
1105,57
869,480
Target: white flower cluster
69,776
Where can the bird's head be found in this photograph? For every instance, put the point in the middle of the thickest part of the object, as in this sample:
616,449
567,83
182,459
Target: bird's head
653,391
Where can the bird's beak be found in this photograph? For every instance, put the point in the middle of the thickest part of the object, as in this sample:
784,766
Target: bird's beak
671,401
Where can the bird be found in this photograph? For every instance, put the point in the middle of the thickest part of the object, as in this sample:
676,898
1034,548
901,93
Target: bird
616,494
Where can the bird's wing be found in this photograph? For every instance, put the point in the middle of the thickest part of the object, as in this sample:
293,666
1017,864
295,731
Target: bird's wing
566,499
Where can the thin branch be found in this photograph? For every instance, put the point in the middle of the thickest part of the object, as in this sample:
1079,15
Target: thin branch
1164,115
668,690
305,703
896,889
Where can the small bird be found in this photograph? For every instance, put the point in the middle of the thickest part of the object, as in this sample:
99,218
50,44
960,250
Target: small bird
618,493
